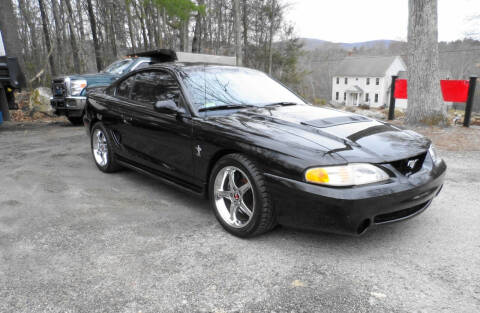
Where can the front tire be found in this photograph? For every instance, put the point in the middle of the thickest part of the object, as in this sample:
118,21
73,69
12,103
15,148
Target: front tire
239,197
102,149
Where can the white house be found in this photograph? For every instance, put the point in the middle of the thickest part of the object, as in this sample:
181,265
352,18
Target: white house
365,80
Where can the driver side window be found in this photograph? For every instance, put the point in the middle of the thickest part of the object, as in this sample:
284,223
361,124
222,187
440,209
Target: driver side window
153,86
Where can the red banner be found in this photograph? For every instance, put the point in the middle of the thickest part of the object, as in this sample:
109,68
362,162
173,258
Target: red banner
452,90
455,90
400,89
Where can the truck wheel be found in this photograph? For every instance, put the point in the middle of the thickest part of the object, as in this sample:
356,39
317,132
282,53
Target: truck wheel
4,104
77,121
102,149
239,197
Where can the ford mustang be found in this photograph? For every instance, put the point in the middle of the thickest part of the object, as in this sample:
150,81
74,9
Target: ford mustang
260,153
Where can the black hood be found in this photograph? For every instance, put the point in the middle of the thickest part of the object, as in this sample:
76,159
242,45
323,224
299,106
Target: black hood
353,137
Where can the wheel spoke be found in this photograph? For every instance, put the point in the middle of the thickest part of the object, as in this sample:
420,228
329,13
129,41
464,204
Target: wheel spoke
244,188
223,194
231,179
233,213
244,208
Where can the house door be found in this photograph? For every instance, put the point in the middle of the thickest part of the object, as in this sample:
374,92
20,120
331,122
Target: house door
354,98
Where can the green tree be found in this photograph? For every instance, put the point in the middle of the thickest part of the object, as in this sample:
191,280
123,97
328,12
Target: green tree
180,12
285,60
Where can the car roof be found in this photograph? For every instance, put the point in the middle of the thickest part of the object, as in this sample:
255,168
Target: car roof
182,65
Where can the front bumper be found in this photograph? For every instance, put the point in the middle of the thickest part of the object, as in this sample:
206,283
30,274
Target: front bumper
70,106
353,210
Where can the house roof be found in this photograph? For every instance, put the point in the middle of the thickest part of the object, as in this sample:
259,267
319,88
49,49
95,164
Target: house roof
444,74
364,66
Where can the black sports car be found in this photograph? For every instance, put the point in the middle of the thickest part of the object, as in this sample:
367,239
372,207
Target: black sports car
260,153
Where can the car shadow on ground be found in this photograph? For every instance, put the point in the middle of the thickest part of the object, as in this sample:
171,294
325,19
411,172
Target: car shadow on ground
376,236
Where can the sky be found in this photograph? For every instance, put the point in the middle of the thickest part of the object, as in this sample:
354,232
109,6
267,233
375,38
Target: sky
363,20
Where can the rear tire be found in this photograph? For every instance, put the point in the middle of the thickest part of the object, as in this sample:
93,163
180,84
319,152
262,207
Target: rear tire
77,121
239,197
102,149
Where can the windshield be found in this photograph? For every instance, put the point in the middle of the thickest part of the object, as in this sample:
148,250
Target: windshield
118,67
212,87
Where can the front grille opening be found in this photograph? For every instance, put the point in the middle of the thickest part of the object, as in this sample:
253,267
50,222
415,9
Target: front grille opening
411,165
389,217
363,226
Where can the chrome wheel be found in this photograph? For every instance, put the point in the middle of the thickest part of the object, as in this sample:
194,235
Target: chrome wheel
100,147
234,199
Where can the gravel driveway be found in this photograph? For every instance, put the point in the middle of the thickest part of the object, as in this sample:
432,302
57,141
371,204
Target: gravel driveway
73,239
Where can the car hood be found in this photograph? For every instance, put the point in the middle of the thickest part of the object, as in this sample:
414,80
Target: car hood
94,78
353,137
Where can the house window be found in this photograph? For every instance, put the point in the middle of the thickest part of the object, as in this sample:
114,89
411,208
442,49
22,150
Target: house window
344,96
377,81
376,98
338,80
346,80
366,97
336,95
368,80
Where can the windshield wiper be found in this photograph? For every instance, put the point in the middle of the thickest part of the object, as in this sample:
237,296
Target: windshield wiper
283,104
226,107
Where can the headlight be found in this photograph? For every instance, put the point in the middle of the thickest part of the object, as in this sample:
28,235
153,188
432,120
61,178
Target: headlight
346,175
434,154
76,86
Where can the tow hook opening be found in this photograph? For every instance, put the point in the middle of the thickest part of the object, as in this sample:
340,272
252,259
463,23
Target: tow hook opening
363,226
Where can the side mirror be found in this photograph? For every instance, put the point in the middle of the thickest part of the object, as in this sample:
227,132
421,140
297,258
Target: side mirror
167,106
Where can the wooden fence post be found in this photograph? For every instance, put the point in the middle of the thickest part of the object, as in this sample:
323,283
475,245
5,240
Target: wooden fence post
391,110
469,105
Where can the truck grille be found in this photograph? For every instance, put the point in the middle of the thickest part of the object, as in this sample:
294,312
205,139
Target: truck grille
4,72
411,165
58,89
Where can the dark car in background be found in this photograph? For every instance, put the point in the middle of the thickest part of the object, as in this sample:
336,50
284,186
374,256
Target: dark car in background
69,91
260,153
11,79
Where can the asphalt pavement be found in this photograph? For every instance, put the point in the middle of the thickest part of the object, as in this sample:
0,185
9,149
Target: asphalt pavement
73,239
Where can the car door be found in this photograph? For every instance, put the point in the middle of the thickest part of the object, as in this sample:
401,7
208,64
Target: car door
160,141
116,102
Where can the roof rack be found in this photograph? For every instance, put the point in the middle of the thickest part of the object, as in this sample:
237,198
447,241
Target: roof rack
159,55
167,55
